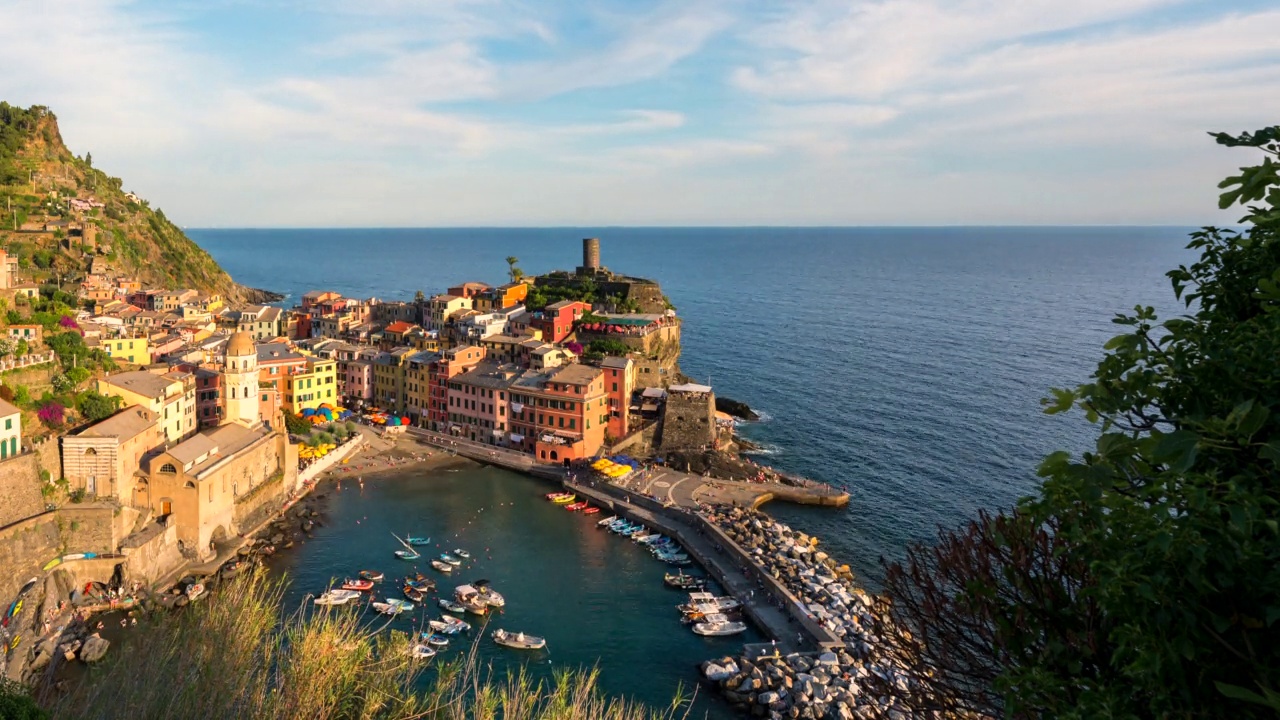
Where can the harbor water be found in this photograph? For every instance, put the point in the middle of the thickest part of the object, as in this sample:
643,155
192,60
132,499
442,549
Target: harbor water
597,598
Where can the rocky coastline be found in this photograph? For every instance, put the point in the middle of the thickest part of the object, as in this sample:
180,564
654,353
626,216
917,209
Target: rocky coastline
852,681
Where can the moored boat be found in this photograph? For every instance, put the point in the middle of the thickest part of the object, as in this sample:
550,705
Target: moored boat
337,596
590,510
374,575
402,604
387,608
414,594
449,605
564,499
443,567
422,651
554,496
456,562
607,521
574,507
680,581
436,640
413,540
718,625
518,640
461,553
361,585
492,597
407,555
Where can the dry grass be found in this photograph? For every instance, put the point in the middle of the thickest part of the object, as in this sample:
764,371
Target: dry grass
238,656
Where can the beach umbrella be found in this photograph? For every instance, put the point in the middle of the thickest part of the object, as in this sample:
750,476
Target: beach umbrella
404,420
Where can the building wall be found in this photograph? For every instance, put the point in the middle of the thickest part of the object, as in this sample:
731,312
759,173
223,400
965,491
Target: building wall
20,485
688,421
130,350
111,463
10,435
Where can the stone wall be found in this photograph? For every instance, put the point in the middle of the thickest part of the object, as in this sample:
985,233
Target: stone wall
20,485
49,456
154,556
25,547
688,422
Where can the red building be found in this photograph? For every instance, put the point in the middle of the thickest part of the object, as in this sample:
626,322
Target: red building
561,414
556,320
619,383
451,363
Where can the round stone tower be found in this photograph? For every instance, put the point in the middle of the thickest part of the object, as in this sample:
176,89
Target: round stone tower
591,254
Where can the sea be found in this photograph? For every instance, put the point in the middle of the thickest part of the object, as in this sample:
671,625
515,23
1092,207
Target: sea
905,365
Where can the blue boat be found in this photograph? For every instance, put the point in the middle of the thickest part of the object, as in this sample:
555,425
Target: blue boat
415,540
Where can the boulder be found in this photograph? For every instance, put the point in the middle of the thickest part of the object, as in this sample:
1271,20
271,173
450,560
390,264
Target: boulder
94,649
716,672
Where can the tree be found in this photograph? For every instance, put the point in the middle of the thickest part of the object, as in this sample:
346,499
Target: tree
1162,598
296,425
88,159
419,297
94,407
514,272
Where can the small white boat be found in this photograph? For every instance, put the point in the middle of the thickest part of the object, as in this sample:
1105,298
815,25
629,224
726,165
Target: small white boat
607,521
422,651
387,608
436,640
492,597
195,591
449,605
450,559
718,625
726,603
519,641
443,567
461,553
408,555
337,597
402,604
449,625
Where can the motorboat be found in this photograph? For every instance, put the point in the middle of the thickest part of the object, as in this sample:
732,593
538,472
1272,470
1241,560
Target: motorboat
564,499
337,596
413,593
408,555
436,640
422,651
607,521
574,507
450,559
374,575
423,584
449,625
590,510
492,597
402,604
680,581
443,567
462,553
475,607
518,640
387,608
362,585
643,539
717,625
449,605
653,539
414,540
726,603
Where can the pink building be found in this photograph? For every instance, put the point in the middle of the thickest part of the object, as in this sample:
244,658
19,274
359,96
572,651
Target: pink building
478,402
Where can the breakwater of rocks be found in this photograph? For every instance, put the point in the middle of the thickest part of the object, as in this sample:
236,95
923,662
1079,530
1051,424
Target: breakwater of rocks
852,682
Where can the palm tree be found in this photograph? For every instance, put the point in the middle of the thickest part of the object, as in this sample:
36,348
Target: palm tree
512,270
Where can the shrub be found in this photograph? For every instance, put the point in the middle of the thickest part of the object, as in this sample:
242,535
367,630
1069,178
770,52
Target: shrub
52,414
6,393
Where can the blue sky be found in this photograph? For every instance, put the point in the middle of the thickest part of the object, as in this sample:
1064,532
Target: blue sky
232,113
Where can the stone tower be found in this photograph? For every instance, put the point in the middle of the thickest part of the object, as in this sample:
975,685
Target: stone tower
240,373
590,256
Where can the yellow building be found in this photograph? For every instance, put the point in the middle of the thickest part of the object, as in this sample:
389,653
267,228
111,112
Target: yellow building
390,375
172,397
134,350
314,386
443,307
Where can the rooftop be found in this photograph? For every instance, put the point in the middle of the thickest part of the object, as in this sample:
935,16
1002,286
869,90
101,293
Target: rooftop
574,374
126,424
489,375
142,383
7,409
276,352
212,446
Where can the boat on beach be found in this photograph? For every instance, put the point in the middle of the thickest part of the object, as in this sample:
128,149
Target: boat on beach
718,625
518,640
442,566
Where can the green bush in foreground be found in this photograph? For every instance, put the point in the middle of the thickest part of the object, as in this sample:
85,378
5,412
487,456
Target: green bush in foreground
237,656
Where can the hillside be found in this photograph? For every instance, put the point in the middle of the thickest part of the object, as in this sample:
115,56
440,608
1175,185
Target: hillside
59,214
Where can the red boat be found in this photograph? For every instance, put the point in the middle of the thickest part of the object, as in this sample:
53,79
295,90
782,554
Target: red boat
590,510
361,585
576,506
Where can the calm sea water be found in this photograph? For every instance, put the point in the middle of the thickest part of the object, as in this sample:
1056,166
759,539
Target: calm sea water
905,365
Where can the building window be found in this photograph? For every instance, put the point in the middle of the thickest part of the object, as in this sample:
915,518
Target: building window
168,468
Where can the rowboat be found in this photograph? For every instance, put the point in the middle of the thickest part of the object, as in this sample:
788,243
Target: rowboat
519,641
461,553
387,608
337,597
402,604
607,521
362,585
564,499
407,555
451,606
373,575
413,594
450,559
436,640
717,625
590,511
557,495
414,540
422,651
574,507
443,567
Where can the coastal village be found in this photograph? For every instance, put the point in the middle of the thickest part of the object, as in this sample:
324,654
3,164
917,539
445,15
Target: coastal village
220,415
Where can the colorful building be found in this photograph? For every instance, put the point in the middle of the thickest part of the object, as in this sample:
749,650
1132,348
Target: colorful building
171,396
450,364
442,309
619,383
389,375
501,297
477,403
10,430
559,415
556,320
315,384
102,458
134,350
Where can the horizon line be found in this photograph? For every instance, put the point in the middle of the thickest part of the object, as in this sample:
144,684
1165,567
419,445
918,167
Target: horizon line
709,227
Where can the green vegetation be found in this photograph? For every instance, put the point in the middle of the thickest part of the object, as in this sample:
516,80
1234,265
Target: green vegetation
1143,579
609,346
310,664
514,272
94,407
17,704
296,424
143,241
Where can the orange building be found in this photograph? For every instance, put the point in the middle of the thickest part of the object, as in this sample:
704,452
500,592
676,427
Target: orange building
503,296
561,414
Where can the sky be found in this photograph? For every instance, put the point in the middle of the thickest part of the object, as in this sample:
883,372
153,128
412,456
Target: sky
370,113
